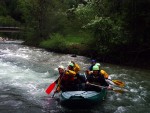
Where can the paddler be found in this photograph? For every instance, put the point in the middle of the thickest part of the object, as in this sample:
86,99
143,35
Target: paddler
96,78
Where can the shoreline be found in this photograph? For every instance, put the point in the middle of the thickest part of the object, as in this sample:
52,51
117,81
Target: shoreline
129,64
129,61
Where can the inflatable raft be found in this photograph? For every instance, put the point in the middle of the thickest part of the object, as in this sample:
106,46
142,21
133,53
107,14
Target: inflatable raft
82,98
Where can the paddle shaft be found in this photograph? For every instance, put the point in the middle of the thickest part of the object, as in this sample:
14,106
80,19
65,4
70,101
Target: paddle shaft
116,90
58,85
112,82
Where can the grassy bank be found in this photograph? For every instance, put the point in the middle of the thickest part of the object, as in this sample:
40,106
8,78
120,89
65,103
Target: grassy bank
83,45
72,44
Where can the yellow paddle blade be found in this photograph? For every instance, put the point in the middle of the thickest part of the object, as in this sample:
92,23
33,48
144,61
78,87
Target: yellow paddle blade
119,83
118,91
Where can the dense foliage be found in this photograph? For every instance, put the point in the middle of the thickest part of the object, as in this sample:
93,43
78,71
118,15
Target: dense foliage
113,31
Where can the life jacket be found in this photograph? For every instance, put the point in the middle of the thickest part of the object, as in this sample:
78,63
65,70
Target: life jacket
65,80
74,72
76,68
58,81
102,72
69,75
99,79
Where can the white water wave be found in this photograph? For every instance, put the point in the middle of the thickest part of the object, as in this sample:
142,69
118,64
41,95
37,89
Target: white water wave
29,82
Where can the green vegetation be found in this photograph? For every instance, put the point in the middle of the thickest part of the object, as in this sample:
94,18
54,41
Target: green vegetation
113,31
68,44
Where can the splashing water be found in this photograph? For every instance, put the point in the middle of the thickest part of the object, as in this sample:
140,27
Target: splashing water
25,73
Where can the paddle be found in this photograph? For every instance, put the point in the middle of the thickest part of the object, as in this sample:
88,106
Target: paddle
116,90
55,92
119,83
58,84
116,82
50,88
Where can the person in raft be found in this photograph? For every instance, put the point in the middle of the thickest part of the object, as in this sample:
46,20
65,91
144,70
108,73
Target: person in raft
96,79
90,70
67,80
93,62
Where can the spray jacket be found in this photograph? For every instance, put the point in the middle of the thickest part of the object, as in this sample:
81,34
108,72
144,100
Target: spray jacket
76,68
66,80
102,72
97,79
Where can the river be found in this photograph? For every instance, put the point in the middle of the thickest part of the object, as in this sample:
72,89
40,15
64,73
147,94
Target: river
25,73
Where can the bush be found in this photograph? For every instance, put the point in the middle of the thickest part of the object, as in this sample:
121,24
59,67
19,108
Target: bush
8,21
56,42
68,44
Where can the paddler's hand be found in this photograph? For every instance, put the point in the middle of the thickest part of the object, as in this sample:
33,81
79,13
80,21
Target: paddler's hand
67,71
73,62
109,88
87,83
87,72
55,91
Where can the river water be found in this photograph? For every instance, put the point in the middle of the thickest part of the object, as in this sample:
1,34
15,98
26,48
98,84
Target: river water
25,73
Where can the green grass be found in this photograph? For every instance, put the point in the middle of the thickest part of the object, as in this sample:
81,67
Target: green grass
75,39
68,44
56,42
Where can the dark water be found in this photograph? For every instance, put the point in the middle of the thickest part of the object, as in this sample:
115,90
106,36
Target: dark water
25,73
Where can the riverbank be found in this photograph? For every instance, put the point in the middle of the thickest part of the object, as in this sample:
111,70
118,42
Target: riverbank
79,45
85,48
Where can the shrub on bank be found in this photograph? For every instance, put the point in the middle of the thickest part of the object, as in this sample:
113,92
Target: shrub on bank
55,43
67,44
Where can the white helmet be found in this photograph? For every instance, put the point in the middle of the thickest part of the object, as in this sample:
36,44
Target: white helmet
98,64
61,67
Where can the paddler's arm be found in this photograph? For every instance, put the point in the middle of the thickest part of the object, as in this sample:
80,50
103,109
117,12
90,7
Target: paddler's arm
76,67
88,72
57,90
104,74
70,72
